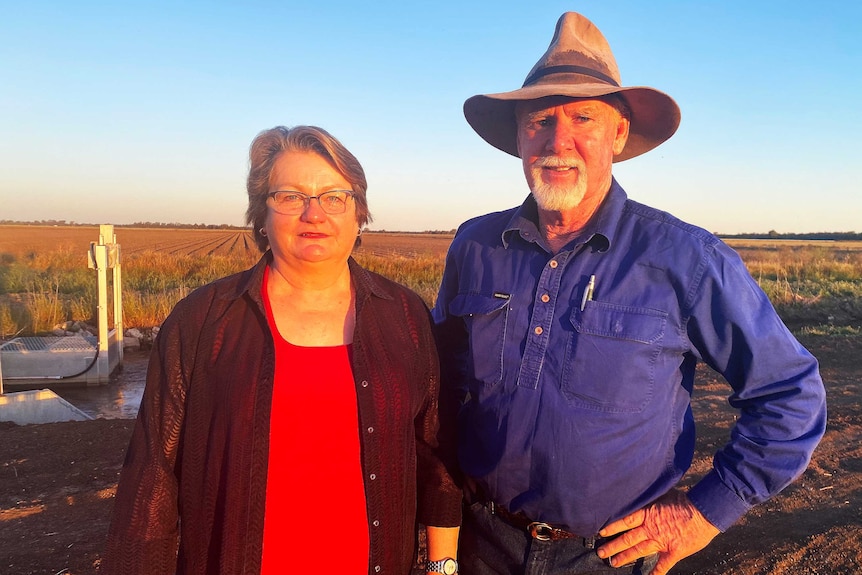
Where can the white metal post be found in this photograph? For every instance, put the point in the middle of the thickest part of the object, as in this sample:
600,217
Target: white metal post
103,256
102,364
109,238
118,302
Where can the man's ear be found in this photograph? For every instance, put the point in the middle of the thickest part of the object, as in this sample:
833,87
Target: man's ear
622,134
516,118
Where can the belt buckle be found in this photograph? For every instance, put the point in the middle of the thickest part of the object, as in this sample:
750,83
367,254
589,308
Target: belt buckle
540,531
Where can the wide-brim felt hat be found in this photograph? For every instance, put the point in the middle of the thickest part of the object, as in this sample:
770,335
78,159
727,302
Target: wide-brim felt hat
578,64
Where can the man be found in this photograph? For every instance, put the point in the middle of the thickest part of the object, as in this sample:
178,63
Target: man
570,327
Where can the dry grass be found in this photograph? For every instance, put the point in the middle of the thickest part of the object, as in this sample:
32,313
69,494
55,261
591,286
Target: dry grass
44,278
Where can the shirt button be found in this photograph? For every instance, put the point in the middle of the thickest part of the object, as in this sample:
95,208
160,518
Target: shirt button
538,330
553,264
376,523
364,383
373,476
545,298
370,430
377,568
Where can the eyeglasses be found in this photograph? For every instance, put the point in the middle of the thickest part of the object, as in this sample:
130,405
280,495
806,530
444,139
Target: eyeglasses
292,203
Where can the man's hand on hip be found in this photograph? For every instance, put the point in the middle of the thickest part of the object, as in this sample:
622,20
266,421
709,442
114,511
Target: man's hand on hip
671,527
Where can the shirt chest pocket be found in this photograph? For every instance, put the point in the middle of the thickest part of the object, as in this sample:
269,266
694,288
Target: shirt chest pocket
611,357
485,318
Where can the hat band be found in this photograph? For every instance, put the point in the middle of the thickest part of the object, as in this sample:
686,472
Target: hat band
542,72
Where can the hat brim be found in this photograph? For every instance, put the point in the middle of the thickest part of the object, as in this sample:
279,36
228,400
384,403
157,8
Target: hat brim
655,116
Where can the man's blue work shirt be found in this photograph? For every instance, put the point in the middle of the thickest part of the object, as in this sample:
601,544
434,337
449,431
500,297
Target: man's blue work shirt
580,415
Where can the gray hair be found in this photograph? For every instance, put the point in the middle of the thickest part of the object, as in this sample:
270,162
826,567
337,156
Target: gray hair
270,144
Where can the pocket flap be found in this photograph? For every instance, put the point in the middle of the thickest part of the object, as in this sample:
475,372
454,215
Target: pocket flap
609,320
466,304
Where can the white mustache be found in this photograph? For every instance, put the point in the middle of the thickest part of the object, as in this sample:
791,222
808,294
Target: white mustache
556,162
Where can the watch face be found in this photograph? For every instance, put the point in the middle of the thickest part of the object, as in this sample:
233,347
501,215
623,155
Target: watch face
450,567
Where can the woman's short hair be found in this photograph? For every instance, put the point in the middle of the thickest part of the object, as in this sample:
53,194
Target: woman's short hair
265,150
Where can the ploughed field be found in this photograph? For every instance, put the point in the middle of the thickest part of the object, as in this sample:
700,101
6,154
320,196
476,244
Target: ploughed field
25,240
32,240
44,280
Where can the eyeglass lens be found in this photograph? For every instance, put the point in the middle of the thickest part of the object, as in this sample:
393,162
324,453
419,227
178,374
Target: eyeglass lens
288,202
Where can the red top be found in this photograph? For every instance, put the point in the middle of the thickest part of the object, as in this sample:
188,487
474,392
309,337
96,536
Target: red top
314,449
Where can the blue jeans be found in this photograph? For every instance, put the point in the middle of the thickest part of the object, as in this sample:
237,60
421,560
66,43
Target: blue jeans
491,546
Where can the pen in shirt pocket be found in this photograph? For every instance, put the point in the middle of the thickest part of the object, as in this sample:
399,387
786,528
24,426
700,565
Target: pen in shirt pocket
588,292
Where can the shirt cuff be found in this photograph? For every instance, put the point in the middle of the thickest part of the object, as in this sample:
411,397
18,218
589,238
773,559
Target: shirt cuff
720,505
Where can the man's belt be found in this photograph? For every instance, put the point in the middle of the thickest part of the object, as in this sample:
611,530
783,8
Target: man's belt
537,529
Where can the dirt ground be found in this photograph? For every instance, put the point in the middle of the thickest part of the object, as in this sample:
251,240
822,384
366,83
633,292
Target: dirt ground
57,483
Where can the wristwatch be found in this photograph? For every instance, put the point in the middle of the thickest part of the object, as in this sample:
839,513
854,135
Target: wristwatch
446,566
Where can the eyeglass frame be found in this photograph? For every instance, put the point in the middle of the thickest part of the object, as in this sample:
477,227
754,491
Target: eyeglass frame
307,200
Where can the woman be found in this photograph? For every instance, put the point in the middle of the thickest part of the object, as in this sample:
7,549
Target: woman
289,421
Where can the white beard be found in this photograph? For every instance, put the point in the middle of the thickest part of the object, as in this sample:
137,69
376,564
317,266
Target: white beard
558,198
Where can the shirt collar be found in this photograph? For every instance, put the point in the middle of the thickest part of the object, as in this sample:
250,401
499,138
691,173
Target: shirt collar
524,222
365,282
599,231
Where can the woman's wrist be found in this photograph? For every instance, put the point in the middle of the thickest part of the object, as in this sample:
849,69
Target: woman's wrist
445,566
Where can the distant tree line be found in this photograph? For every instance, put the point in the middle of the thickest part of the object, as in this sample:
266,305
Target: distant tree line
436,232
773,235
770,235
172,225
175,225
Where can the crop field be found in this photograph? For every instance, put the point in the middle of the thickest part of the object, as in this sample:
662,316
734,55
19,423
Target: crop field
44,279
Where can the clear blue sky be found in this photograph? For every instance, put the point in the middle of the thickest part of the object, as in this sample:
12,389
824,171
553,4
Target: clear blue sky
117,112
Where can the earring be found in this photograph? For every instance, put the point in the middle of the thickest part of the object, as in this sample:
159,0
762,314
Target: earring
262,232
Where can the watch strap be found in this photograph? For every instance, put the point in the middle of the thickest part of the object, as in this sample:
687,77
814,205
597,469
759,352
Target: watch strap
447,566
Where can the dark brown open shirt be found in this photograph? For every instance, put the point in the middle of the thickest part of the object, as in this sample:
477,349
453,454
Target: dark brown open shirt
193,487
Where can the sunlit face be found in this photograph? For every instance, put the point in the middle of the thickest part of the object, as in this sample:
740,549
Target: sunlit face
567,147
313,235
